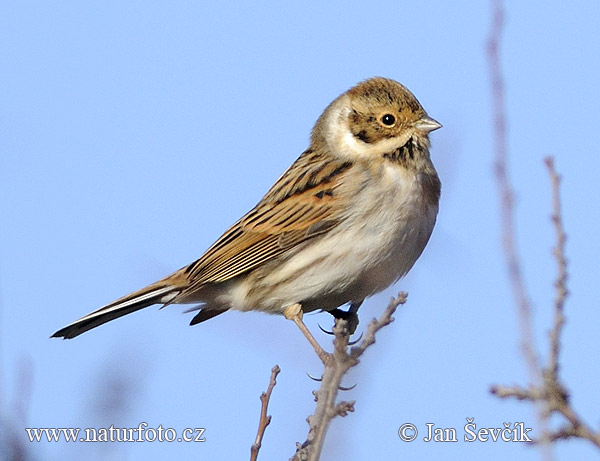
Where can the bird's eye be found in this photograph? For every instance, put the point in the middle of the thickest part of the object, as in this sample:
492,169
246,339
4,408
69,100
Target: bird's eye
388,119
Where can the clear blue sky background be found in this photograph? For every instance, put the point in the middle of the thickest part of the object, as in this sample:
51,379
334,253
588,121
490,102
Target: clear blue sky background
133,133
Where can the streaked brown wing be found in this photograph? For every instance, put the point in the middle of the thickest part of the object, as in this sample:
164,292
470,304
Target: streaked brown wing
301,205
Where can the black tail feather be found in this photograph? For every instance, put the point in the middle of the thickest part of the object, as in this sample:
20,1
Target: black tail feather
126,305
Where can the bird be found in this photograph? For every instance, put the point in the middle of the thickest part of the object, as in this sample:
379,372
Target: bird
346,220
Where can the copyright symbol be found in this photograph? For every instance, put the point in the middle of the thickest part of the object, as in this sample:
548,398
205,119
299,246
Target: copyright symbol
407,432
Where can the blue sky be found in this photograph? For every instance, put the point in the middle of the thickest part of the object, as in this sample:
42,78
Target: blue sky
133,134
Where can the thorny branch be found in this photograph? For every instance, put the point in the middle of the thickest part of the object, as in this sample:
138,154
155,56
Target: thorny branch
264,418
336,366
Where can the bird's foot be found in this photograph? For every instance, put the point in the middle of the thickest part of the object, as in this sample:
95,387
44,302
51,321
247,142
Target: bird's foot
349,316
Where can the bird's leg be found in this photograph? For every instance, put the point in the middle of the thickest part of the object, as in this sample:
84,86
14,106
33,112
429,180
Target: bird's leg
294,312
355,306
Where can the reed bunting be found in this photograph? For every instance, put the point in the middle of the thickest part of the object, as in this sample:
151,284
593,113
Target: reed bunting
348,218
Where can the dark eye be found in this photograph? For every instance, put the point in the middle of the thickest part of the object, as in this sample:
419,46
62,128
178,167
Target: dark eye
388,119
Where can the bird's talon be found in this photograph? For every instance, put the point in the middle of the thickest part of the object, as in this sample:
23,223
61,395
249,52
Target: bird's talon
352,343
324,330
313,378
341,388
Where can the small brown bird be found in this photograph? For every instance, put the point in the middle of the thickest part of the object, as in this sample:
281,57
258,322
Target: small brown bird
347,219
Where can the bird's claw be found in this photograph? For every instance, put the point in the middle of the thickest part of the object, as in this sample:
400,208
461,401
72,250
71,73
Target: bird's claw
324,330
313,378
341,388
352,343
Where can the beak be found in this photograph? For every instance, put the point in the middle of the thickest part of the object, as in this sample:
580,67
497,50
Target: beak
427,124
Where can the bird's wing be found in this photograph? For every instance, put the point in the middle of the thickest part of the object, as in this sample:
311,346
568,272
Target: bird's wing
302,204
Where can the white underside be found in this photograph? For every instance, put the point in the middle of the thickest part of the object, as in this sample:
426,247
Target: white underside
376,245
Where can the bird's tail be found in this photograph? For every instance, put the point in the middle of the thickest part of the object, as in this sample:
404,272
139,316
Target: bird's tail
161,292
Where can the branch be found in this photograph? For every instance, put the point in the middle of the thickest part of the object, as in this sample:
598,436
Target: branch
506,194
377,325
557,394
561,262
336,366
551,393
507,212
264,419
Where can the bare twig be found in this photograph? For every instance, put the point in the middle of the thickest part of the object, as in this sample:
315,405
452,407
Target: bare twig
555,399
506,193
377,325
336,366
557,394
264,418
507,213
517,392
561,262
551,393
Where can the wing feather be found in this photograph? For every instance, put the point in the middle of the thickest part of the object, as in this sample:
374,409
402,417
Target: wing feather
301,205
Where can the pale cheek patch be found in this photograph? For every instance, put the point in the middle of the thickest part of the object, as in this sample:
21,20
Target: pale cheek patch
344,142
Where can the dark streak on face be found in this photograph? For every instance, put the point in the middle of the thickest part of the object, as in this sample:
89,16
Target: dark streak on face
402,154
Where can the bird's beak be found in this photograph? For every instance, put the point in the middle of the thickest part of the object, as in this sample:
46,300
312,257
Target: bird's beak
427,124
